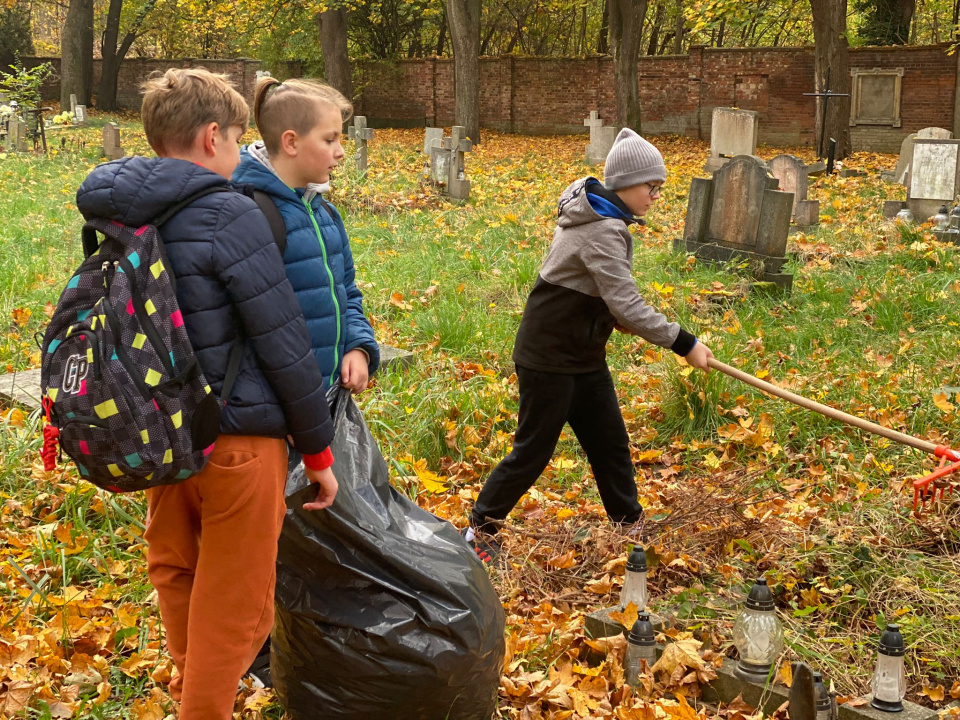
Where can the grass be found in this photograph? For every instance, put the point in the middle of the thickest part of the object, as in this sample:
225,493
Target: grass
871,327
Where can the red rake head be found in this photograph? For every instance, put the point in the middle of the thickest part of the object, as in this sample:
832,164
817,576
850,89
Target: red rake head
925,489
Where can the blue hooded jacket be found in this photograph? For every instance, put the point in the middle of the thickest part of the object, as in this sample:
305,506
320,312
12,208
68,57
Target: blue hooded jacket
230,279
319,264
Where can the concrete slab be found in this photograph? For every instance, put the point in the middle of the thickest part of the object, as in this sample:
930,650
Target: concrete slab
599,624
21,388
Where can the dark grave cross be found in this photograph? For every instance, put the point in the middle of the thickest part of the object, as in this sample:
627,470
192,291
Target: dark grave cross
826,95
831,156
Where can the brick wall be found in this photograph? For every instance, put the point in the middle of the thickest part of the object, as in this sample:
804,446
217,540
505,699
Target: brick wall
677,93
133,71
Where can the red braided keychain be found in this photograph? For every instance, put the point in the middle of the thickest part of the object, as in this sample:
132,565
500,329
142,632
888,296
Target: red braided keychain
50,435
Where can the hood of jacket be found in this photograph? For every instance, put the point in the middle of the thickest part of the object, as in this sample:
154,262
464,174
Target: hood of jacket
136,190
256,169
575,208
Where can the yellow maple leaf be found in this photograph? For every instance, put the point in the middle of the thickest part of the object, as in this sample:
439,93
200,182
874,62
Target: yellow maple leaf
626,617
648,456
681,653
935,692
941,401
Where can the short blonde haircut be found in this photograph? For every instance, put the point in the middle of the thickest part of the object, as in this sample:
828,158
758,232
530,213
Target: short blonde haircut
294,105
179,102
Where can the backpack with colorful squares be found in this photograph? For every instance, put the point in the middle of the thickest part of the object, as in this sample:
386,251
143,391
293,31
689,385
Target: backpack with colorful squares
122,389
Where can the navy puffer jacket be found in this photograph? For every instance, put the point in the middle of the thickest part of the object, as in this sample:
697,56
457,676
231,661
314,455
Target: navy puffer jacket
230,278
320,267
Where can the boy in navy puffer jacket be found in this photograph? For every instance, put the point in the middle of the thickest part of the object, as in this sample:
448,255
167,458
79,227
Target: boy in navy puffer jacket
301,123
213,538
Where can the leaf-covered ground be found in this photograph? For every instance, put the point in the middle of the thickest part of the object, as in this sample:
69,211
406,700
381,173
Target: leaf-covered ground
735,484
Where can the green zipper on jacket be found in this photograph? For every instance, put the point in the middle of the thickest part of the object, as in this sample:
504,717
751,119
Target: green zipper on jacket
333,290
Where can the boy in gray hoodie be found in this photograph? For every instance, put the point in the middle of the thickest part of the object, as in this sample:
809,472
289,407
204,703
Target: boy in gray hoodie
585,290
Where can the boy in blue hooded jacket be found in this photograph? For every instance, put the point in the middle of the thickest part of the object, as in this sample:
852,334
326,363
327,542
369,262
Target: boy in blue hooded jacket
301,122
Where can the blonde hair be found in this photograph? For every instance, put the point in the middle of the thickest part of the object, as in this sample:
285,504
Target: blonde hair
179,102
293,105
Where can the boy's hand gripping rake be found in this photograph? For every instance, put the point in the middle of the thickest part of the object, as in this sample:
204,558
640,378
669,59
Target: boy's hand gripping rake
924,489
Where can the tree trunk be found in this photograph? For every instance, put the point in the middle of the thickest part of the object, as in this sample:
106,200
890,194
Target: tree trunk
442,39
603,44
76,53
113,55
464,18
626,24
678,35
655,30
831,51
333,45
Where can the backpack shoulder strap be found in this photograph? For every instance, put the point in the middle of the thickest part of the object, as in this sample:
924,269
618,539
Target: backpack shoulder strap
269,208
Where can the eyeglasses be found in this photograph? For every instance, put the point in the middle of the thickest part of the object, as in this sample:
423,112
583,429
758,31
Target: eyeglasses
654,190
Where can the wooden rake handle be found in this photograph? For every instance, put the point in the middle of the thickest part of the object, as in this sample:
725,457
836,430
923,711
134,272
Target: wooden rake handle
902,438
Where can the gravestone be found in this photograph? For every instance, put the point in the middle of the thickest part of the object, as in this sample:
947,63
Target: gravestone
73,103
900,174
934,176
732,132
429,136
112,149
458,186
17,140
360,134
601,139
80,114
439,156
740,214
792,174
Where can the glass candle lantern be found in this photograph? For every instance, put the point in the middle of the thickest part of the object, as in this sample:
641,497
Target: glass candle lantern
941,221
758,634
904,217
889,683
641,645
635,581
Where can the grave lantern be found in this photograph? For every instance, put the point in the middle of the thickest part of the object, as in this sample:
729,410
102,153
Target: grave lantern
758,634
955,217
904,217
641,645
889,683
635,581
822,696
941,220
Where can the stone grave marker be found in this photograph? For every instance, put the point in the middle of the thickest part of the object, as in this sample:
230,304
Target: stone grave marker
934,176
458,144
73,103
900,174
360,134
439,162
740,214
112,149
431,134
80,114
601,139
794,177
17,140
732,132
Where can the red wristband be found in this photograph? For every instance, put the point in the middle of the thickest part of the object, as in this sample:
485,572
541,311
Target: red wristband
319,461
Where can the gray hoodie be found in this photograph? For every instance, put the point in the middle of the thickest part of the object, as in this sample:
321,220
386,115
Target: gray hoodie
585,288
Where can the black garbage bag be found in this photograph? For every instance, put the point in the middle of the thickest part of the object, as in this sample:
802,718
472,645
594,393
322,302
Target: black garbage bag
383,611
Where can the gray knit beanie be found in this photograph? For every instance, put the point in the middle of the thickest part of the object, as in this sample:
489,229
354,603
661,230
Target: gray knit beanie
631,161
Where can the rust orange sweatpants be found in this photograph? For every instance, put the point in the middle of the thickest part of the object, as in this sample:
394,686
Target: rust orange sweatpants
212,554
